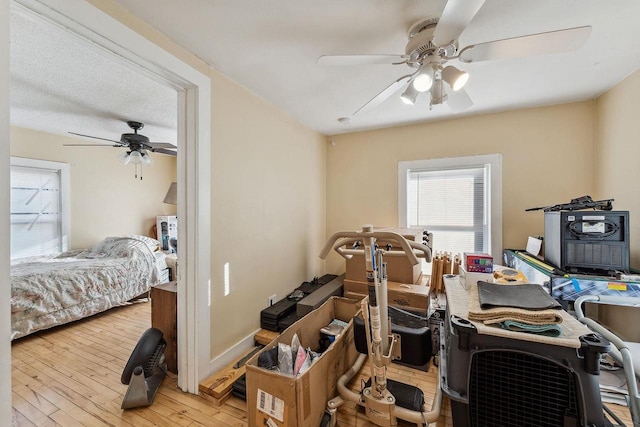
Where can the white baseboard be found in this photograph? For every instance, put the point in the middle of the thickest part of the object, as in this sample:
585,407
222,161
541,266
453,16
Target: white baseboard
232,353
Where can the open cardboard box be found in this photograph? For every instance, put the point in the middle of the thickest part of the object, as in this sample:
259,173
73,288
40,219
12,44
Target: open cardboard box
414,297
275,399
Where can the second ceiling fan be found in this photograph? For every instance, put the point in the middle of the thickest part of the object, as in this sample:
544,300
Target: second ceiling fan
433,43
138,146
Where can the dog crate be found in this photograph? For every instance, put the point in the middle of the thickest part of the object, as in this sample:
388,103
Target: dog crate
501,381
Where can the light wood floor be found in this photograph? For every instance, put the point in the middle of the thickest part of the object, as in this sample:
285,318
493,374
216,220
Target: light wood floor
70,376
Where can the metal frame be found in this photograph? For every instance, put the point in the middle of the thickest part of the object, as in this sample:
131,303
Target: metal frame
627,361
378,402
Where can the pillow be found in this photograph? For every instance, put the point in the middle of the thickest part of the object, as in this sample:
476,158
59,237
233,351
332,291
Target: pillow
151,243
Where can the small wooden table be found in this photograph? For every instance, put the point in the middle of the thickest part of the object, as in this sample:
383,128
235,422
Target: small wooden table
164,317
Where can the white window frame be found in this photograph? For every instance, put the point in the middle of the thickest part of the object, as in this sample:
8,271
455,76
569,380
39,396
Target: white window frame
495,190
65,192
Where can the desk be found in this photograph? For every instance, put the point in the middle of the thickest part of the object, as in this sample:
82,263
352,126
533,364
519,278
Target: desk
164,317
566,289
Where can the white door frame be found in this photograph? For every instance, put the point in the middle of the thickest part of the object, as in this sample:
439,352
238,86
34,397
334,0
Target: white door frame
5,291
194,163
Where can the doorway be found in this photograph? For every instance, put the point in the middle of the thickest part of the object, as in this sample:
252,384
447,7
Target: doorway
194,106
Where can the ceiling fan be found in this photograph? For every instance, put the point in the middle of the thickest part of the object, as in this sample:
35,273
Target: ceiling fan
433,43
138,145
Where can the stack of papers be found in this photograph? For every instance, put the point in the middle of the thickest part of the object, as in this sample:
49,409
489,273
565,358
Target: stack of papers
613,387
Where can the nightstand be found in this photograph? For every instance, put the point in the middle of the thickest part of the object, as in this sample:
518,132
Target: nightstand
172,263
164,299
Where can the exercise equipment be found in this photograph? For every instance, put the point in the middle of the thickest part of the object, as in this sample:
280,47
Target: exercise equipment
384,401
623,356
145,370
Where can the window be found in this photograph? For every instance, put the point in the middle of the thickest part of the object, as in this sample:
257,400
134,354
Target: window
459,200
39,207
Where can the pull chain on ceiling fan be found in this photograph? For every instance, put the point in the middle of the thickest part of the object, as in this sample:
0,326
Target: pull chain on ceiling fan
433,42
138,147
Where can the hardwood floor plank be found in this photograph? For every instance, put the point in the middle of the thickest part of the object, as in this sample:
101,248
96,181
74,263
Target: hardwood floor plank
19,420
60,369
63,419
75,403
35,399
30,412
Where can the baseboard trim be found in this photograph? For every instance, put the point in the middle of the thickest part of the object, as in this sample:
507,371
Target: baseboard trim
232,353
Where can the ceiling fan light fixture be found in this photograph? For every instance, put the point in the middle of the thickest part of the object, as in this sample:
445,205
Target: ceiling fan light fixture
454,77
423,81
124,158
410,94
146,159
135,157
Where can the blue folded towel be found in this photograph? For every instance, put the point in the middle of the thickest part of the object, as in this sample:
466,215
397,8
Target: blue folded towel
550,330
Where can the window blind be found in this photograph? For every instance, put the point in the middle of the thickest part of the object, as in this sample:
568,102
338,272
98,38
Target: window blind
452,204
36,220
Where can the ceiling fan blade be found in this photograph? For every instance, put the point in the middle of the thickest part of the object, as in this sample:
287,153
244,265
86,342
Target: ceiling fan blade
90,145
386,93
161,145
534,44
455,17
164,151
331,60
458,100
95,137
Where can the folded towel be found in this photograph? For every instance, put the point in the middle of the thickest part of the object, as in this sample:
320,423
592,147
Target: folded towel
502,314
529,296
552,330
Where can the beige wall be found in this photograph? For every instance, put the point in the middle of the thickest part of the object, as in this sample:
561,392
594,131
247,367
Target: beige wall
616,177
106,199
267,201
617,153
547,158
268,208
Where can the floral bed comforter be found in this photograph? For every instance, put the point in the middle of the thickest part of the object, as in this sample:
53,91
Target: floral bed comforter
50,291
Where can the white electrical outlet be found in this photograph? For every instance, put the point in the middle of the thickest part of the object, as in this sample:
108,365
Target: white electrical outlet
272,300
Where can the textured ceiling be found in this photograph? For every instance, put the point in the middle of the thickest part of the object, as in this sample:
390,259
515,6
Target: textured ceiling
60,83
271,47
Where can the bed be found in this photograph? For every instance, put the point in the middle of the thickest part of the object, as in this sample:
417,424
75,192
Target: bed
54,290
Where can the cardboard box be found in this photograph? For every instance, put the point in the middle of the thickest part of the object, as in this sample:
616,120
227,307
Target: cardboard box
409,296
283,400
399,269
167,226
470,278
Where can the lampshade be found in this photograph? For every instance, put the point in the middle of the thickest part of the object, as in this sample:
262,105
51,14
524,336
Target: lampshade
409,95
135,157
454,77
424,79
124,158
146,159
172,194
